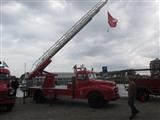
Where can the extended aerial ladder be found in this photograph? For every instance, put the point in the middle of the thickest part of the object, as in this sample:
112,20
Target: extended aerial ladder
45,59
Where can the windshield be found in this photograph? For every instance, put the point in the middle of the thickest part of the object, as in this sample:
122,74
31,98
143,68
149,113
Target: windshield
92,76
4,76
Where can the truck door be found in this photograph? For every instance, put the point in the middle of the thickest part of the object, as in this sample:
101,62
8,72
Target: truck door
82,80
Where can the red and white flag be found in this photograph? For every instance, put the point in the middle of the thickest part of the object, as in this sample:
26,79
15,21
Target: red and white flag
112,21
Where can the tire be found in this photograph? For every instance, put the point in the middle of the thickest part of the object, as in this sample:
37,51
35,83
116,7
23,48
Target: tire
143,95
9,107
96,100
38,97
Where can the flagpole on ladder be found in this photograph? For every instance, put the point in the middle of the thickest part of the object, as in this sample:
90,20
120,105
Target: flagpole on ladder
107,23
107,28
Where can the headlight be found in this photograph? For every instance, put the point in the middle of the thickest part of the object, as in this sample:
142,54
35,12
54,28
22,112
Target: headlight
11,92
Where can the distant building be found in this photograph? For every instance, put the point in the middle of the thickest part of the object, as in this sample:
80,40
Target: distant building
64,77
104,69
61,77
110,74
155,67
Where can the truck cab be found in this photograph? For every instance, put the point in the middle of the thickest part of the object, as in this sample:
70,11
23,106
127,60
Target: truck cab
7,97
97,91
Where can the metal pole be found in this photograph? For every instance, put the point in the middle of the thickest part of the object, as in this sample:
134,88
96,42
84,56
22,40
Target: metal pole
158,42
1,36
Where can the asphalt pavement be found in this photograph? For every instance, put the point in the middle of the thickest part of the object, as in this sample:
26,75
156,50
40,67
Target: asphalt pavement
68,109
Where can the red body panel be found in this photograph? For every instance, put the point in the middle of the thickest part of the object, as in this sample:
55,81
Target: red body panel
152,84
5,99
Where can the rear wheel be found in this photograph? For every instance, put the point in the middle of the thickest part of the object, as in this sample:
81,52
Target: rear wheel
143,95
96,100
39,97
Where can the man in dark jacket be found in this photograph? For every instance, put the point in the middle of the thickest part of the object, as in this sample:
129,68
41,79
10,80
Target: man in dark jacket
15,84
131,97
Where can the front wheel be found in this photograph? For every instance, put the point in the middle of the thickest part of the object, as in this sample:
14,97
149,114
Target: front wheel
96,100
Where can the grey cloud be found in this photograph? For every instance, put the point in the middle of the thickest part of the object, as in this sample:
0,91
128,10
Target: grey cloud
31,31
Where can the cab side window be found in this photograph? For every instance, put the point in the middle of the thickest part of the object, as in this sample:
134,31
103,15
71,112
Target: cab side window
82,76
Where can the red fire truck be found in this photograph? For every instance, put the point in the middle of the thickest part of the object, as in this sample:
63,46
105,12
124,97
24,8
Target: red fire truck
7,96
84,84
147,84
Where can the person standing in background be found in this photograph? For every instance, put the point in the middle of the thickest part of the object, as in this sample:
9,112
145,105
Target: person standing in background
131,97
15,85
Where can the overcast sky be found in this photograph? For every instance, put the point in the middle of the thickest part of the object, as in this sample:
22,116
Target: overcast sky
30,27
